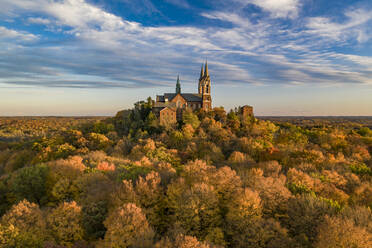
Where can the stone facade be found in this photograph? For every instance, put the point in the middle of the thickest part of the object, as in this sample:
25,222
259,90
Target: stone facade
246,111
178,102
166,115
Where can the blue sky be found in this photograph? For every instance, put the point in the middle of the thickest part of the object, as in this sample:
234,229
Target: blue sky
94,57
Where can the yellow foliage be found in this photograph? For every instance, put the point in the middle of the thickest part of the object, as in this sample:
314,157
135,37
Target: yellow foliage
127,226
64,223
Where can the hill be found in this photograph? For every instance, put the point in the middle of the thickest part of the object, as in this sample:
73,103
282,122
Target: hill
214,179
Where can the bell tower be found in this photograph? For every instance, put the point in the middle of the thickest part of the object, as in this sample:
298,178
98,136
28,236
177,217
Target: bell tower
205,88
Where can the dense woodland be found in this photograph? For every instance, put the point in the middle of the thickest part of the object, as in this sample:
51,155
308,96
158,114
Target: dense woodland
215,179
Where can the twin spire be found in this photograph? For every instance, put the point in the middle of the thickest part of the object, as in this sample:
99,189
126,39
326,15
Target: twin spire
204,71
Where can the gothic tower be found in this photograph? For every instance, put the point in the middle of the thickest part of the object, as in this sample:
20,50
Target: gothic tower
200,88
205,88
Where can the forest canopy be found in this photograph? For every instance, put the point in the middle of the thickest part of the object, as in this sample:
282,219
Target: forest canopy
215,179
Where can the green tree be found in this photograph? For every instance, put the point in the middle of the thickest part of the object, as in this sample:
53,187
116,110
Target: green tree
365,131
189,117
151,123
98,141
30,183
233,120
305,214
4,191
93,216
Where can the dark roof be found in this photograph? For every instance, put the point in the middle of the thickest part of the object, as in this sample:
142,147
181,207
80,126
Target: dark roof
164,104
190,97
170,96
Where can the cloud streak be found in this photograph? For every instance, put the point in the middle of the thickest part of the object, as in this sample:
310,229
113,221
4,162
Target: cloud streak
14,35
103,50
356,26
278,8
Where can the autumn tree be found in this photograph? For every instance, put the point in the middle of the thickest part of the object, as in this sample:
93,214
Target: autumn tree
335,232
127,226
305,214
195,208
272,190
64,223
24,224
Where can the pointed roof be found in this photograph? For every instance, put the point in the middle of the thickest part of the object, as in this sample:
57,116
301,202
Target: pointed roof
202,71
206,73
178,85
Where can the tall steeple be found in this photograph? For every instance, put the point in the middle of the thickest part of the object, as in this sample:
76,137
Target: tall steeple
202,72
206,73
205,89
178,85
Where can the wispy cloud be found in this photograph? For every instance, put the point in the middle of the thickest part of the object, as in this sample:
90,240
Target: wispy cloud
231,17
110,51
14,35
39,20
276,8
354,27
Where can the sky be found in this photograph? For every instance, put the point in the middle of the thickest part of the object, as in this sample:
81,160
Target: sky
96,57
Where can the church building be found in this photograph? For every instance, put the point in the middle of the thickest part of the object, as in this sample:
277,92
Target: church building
170,106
